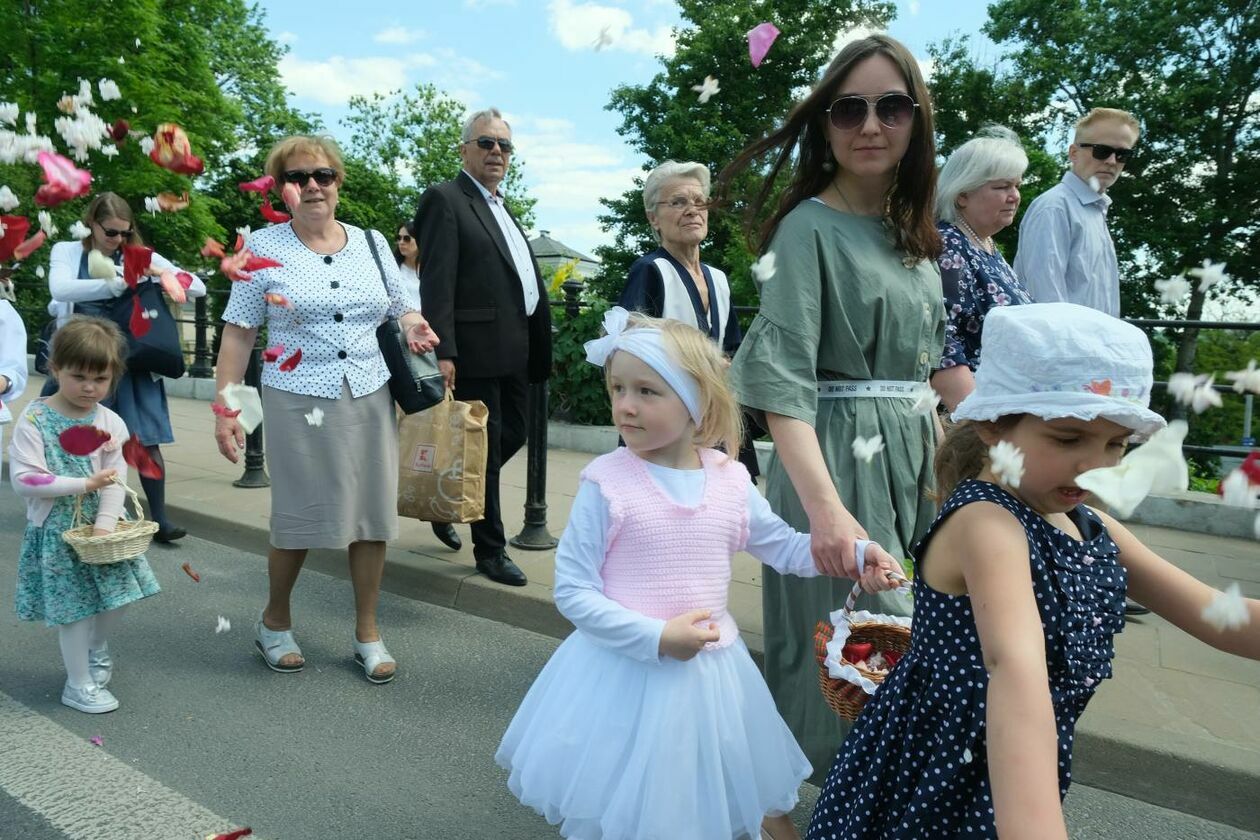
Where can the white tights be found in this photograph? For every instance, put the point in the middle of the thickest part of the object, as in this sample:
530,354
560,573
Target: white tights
79,637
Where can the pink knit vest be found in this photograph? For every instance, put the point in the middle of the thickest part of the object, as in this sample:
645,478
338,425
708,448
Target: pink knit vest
664,558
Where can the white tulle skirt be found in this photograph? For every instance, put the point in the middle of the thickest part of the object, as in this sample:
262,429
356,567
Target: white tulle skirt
610,748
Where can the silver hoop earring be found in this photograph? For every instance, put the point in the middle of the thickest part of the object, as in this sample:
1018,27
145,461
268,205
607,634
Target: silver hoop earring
829,165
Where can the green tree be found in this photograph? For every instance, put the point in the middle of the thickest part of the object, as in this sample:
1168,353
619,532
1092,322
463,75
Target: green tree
664,119
413,139
209,67
1190,71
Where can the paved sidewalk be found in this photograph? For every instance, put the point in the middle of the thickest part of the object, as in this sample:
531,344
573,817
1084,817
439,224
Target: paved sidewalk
1178,726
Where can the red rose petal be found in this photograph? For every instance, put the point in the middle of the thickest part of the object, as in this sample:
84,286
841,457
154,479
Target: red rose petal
137,455
136,261
261,184
271,214
292,362
272,353
138,324
857,651
83,439
188,570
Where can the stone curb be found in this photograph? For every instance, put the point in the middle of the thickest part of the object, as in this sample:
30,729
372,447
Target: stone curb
1157,767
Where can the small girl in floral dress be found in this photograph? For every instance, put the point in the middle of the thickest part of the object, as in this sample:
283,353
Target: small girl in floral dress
82,601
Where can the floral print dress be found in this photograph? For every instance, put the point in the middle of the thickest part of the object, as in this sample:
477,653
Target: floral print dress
52,584
973,281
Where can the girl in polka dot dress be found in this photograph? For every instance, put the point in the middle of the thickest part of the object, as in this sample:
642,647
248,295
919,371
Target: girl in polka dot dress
1019,593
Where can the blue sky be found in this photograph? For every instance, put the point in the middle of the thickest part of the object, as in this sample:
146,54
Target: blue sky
535,60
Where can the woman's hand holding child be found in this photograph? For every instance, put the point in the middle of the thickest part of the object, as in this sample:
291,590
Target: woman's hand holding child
682,639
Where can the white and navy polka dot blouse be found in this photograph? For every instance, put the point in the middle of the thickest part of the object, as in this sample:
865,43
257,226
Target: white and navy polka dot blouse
338,302
915,764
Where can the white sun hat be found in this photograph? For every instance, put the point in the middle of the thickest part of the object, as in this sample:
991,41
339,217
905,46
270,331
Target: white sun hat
1056,360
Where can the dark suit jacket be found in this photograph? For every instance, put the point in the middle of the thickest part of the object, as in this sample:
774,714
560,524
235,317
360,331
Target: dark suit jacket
470,291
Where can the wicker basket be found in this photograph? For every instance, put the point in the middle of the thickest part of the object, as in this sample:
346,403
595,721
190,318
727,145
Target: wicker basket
845,698
128,541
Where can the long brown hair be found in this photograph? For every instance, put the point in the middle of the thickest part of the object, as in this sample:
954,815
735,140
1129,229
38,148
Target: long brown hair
804,135
110,205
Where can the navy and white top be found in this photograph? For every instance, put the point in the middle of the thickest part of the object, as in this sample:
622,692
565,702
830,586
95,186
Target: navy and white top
973,282
916,763
338,300
660,286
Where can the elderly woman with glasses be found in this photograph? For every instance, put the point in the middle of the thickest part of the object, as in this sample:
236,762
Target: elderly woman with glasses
672,282
977,195
139,398
332,442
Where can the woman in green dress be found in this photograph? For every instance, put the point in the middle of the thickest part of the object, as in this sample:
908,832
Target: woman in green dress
850,326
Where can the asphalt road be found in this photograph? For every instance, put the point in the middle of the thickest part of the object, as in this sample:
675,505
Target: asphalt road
208,739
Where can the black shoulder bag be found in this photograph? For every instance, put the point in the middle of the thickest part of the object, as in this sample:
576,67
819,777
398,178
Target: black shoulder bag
415,382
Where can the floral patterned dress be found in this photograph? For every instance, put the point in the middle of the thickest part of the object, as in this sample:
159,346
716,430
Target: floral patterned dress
916,763
973,281
52,584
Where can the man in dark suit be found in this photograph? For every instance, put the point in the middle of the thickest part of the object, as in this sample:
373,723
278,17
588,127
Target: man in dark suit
484,296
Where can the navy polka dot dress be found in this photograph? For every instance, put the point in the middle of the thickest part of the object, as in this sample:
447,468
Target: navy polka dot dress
915,763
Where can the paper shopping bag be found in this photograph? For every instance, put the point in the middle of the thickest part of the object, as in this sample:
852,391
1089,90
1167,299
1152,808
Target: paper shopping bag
442,462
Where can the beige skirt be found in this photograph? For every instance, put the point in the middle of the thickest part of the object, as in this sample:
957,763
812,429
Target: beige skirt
337,482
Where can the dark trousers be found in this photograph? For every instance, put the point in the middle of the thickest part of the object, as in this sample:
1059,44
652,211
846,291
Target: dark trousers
505,398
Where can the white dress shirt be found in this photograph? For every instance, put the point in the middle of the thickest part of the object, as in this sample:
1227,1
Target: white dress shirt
1065,250
338,300
579,587
516,245
411,285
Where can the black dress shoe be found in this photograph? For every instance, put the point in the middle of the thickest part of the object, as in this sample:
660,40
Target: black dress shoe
169,533
501,569
1134,608
445,532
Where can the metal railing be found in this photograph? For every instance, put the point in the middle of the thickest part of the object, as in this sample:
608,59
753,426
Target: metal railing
535,535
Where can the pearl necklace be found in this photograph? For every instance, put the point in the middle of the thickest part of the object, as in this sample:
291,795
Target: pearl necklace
986,244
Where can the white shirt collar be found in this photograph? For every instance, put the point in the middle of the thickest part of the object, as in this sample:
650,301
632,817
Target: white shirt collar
493,198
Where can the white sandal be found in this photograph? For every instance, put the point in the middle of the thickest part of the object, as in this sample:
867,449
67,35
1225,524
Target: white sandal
274,645
372,655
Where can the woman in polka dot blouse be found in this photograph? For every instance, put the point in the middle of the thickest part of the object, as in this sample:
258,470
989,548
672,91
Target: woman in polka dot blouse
332,442
1019,593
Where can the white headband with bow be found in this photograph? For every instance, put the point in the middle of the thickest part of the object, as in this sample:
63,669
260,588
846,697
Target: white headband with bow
648,345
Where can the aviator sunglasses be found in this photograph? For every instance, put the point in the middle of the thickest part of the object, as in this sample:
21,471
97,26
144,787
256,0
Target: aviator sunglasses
323,176
110,233
406,237
487,143
1101,151
893,110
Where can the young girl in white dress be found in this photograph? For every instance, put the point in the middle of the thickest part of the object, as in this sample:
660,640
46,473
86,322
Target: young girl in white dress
652,721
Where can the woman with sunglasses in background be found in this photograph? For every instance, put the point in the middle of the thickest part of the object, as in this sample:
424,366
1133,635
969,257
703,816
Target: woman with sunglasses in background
851,325
332,442
139,398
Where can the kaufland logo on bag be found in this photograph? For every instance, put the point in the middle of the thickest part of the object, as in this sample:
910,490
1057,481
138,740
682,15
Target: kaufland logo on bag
422,457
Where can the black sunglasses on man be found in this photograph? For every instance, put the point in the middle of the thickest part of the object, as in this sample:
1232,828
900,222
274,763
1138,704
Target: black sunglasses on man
1101,151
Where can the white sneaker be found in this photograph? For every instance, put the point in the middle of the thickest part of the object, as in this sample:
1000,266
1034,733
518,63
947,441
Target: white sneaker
101,666
93,699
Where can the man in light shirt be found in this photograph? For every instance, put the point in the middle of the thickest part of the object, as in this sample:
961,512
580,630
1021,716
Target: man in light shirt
1065,250
484,296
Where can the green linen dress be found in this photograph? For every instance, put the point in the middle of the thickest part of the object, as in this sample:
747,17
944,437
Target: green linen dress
841,305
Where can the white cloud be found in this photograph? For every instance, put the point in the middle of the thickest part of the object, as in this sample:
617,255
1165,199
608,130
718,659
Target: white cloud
913,7
398,35
568,177
456,67
335,79
578,27
287,38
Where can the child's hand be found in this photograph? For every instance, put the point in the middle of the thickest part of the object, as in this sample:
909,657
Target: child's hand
682,639
877,566
100,532
101,479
